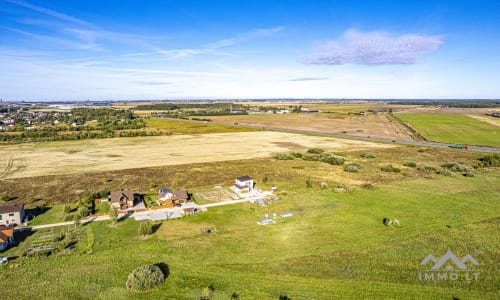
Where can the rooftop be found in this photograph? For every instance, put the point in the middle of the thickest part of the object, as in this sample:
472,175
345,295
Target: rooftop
244,178
5,209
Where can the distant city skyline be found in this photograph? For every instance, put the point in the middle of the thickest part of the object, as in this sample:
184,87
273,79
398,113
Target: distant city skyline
153,50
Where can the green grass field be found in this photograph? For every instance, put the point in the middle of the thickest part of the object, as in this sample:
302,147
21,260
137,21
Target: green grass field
456,129
334,247
179,127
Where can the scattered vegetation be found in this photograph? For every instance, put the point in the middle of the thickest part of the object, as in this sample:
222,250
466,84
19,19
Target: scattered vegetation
455,167
283,156
490,160
410,164
390,168
368,155
352,168
426,169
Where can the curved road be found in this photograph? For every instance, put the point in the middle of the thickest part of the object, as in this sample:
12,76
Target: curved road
351,137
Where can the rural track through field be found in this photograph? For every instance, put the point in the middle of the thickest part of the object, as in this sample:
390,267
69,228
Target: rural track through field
107,217
350,137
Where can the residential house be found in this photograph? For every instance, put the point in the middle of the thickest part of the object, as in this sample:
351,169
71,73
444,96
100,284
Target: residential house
6,236
171,198
124,199
12,214
243,185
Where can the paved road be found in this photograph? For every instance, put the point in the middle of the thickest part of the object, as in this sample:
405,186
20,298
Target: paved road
351,137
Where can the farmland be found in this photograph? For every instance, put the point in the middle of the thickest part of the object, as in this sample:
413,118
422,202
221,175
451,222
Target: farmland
371,125
128,153
458,129
335,246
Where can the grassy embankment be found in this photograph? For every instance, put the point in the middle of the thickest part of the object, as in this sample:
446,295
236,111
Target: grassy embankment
456,129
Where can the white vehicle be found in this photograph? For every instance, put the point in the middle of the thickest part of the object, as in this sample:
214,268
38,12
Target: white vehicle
3,260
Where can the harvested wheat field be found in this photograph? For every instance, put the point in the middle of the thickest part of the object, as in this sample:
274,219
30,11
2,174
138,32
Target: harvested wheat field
370,125
71,157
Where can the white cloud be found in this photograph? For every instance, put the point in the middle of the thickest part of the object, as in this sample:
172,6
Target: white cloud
373,48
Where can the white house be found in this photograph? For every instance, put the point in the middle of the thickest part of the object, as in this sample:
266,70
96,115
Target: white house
11,214
243,185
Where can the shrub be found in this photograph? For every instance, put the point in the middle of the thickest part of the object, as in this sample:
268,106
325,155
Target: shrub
390,168
296,154
83,211
410,164
468,174
426,169
446,172
341,189
282,156
331,158
145,228
323,185
351,168
67,208
367,186
310,157
309,183
490,160
315,150
145,278
455,167
368,155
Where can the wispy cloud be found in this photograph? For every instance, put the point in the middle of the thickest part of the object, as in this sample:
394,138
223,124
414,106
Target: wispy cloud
214,48
373,48
308,79
50,12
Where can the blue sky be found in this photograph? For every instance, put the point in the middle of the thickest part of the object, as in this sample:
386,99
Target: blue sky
124,50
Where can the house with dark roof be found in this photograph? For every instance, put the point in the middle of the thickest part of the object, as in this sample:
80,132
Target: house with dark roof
243,185
6,236
171,198
124,199
12,214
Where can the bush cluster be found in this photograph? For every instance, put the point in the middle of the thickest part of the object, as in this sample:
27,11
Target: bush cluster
145,278
490,160
352,168
368,155
426,169
410,164
455,167
282,156
390,168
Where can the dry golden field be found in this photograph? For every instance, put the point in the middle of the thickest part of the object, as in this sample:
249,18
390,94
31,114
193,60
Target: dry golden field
370,125
72,157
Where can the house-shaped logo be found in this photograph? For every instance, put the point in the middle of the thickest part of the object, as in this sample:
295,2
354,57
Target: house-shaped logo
449,266
450,262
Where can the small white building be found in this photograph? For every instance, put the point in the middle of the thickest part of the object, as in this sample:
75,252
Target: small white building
243,185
